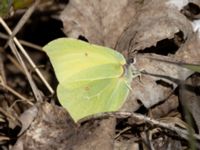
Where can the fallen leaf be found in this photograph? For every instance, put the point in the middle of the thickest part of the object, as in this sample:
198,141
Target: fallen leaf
52,127
101,22
155,21
150,89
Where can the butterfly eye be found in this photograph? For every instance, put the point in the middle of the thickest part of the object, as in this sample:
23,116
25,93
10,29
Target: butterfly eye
131,61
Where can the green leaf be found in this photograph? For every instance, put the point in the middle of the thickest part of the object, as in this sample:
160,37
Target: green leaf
19,4
193,67
92,79
5,6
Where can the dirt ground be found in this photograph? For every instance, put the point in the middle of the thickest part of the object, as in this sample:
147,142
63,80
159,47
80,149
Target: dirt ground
162,109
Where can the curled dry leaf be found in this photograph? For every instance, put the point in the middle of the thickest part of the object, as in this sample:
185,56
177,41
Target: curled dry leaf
27,117
101,22
192,11
155,21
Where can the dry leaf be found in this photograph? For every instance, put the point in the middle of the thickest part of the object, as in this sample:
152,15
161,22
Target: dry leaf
190,51
157,87
27,117
52,128
189,98
101,22
155,21
164,108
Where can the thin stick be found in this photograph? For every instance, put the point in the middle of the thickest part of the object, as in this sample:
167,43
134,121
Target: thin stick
25,43
16,64
31,82
22,21
27,56
182,133
2,71
175,62
16,93
8,115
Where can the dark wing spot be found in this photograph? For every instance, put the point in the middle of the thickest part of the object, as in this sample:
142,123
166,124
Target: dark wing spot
86,54
87,88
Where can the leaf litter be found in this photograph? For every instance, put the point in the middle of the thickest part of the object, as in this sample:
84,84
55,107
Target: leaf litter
140,29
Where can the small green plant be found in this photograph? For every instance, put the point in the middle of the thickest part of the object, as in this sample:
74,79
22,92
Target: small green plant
5,5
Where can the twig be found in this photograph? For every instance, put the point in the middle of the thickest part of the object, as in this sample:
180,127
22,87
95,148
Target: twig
32,84
2,71
16,64
16,93
27,56
182,133
22,21
19,100
25,43
121,132
147,140
5,113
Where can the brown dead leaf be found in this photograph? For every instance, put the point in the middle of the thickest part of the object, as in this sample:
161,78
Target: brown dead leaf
155,21
51,129
190,51
27,117
155,87
101,22
96,135
189,98
164,108
192,10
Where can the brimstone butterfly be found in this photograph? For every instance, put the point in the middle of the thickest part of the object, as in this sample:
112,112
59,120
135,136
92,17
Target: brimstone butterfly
92,79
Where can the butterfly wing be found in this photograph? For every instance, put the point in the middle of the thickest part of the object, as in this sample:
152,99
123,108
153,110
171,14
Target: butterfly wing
92,78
